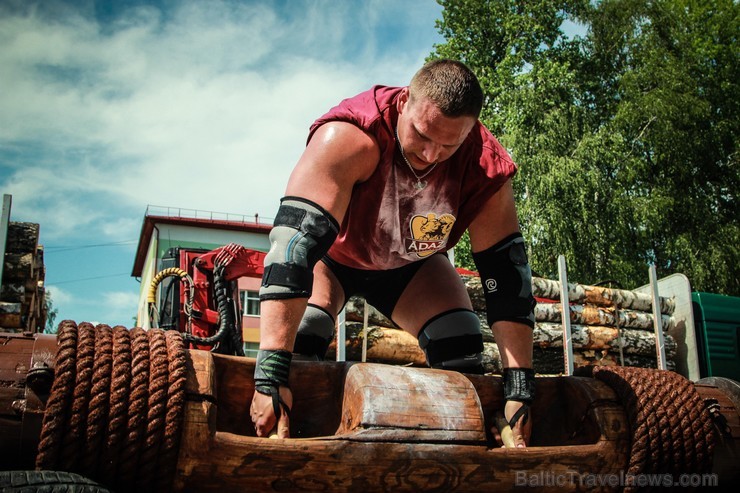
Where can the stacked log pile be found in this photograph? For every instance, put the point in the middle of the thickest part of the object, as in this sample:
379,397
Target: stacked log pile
22,292
608,327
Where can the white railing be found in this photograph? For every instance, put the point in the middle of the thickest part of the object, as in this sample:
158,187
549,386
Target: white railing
179,212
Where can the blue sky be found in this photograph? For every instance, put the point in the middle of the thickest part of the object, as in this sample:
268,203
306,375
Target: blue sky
107,107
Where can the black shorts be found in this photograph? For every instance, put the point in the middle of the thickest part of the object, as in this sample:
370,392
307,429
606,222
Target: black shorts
381,288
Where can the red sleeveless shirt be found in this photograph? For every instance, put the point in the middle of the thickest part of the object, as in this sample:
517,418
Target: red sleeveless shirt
389,222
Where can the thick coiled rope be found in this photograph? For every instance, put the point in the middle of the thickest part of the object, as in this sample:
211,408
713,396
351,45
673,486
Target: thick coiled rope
671,430
116,406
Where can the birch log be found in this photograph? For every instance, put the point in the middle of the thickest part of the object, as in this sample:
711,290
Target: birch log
590,344
584,294
384,345
600,315
550,334
355,311
549,361
578,293
633,341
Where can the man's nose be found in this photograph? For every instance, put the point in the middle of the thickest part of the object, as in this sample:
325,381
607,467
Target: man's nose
431,152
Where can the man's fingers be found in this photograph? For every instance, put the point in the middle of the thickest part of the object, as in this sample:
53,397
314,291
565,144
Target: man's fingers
283,427
522,429
262,414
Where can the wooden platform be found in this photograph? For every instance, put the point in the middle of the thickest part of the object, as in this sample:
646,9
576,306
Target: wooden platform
345,438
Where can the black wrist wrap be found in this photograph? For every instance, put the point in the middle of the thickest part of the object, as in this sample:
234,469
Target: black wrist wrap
270,373
519,384
272,370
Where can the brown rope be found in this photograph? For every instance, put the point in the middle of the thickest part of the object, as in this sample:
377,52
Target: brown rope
118,416
74,438
157,408
138,398
671,429
175,409
99,398
60,397
116,406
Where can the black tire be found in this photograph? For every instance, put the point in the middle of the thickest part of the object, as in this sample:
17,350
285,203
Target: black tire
47,482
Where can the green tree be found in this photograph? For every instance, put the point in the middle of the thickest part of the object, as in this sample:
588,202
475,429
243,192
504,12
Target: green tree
626,138
51,314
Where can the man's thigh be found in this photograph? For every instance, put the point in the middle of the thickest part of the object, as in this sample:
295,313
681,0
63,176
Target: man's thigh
436,288
327,293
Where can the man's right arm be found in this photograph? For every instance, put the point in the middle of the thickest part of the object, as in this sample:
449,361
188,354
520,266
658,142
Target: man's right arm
338,156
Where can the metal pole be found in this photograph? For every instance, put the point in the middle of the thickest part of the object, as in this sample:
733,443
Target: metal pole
341,337
364,334
657,319
7,202
565,310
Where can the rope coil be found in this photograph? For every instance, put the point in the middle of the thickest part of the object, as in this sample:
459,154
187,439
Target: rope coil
671,430
116,406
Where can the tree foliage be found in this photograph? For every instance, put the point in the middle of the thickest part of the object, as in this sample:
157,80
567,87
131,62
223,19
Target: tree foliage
626,136
51,314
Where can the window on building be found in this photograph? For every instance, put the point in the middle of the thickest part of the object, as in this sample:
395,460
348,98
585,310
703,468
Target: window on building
250,301
251,349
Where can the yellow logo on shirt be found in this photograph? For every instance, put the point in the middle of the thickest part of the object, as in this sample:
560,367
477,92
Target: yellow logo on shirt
429,233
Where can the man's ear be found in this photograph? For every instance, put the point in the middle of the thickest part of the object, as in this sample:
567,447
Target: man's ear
403,100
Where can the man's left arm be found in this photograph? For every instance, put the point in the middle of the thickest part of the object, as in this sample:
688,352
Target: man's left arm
500,256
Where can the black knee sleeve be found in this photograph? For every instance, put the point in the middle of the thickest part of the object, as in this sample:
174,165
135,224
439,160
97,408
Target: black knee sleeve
507,281
314,333
453,341
301,234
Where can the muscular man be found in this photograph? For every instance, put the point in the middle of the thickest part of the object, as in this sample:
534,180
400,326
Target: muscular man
389,181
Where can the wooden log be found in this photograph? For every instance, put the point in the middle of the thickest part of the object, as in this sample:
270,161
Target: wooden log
14,293
355,313
396,404
395,346
355,309
578,293
22,237
638,342
603,316
544,312
549,361
10,315
384,345
18,267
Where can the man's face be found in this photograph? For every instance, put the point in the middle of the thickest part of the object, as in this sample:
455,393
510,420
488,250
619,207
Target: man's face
426,135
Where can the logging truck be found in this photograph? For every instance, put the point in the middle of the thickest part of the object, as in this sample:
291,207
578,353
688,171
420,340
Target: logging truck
102,408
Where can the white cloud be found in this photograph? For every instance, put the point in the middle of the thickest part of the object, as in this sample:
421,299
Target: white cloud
208,110
204,106
59,296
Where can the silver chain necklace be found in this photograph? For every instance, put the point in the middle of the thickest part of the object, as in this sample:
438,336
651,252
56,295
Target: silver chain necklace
420,183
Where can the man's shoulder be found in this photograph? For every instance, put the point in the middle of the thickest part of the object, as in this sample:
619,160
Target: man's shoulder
368,110
485,149
368,105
